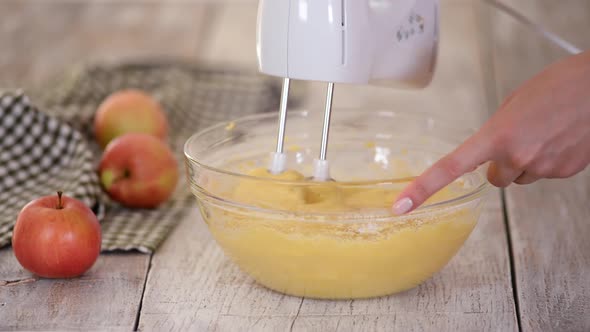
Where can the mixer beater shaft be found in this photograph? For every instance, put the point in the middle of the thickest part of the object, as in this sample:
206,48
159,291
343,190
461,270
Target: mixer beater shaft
327,115
321,169
283,115
279,158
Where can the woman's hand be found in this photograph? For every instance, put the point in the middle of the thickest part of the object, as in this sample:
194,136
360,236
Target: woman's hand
541,131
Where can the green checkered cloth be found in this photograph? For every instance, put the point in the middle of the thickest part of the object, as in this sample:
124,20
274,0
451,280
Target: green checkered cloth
194,97
40,154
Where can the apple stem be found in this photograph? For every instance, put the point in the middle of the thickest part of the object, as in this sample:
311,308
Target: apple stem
59,205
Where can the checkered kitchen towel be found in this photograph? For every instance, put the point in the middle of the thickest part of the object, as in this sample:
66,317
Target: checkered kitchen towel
39,154
56,149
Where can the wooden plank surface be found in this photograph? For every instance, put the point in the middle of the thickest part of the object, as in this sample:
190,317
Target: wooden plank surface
550,227
193,286
105,298
473,293
512,42
549,220
568,19
40,39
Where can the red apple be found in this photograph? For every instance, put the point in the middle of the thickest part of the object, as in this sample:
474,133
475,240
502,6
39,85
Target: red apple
129,111
138,170
56,237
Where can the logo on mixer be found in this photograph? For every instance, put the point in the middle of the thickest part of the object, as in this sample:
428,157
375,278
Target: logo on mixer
415,25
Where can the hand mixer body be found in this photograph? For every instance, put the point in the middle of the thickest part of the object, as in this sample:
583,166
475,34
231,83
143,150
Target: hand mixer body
391,42
349,41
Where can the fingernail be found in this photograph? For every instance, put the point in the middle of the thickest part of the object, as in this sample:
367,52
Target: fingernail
402,206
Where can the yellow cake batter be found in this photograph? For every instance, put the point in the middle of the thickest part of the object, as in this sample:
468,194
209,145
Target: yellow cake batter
320,256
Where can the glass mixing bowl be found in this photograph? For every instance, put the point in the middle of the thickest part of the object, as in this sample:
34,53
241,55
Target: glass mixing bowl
336,240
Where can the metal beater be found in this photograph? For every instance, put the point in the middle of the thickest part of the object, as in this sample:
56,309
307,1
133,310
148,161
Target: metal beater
321,167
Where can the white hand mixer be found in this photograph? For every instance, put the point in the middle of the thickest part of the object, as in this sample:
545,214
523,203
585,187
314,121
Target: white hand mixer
344,41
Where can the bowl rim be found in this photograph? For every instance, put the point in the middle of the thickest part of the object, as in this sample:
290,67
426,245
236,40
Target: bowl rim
452,203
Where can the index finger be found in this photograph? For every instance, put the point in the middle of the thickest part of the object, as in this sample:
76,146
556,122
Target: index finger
473,152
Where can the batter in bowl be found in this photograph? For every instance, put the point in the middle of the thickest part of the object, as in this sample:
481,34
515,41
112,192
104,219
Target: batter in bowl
307,252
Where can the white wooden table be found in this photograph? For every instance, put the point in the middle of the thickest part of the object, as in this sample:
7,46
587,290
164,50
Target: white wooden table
525,267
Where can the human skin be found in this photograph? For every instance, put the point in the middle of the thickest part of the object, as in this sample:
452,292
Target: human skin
542,130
